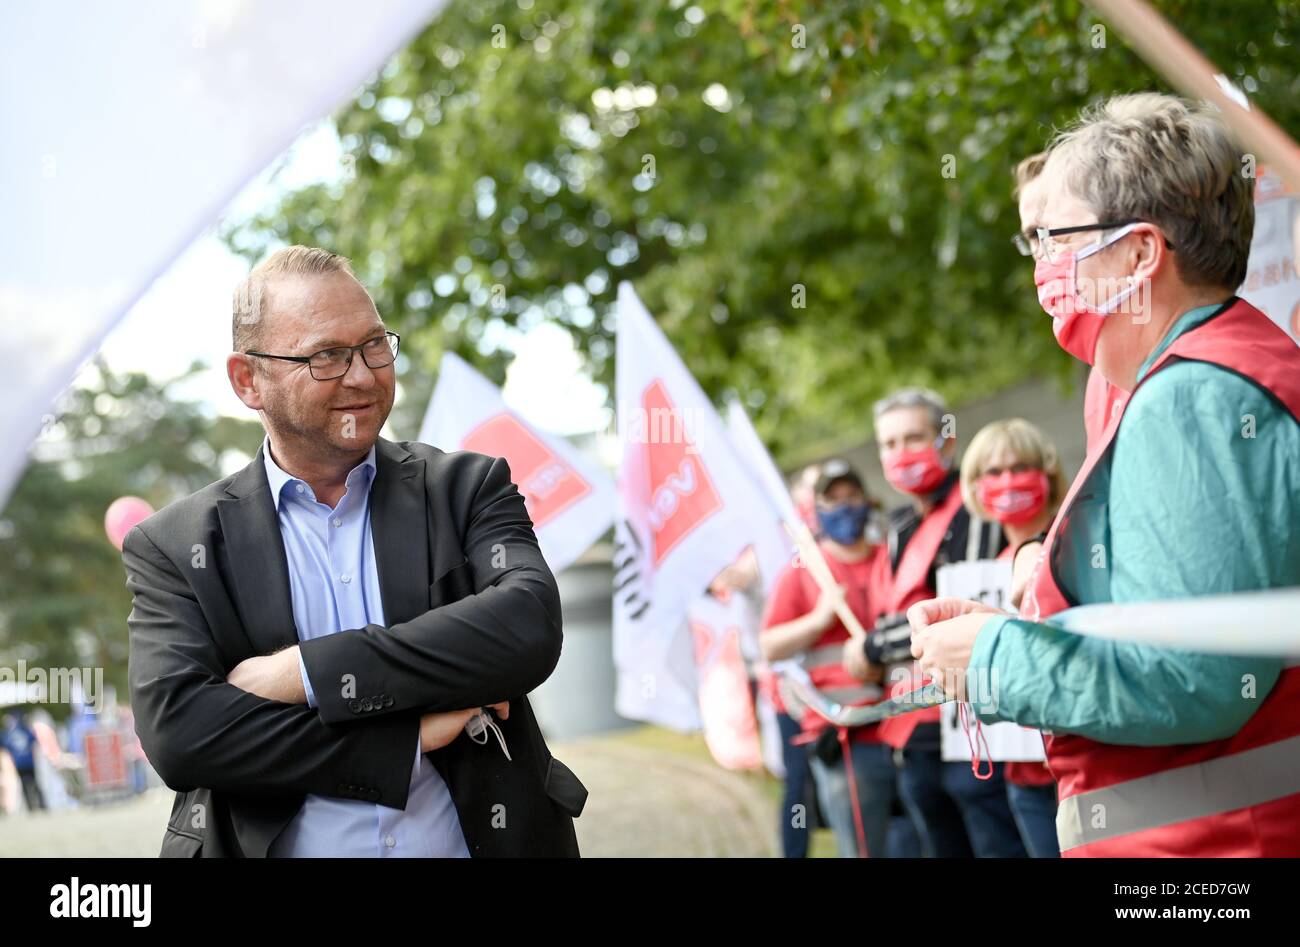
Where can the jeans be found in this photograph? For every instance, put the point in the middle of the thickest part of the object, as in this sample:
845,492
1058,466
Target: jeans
798,781
903,840
1034,809
32,795
934,813
874,780
984,810
956,814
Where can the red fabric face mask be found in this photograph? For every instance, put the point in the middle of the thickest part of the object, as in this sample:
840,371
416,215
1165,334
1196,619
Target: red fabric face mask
1014,498
918,471
1075,324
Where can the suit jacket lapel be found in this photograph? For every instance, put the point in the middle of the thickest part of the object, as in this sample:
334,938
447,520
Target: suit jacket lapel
399,526
256,559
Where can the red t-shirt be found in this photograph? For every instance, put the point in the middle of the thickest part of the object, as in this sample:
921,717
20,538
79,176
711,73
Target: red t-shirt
795,595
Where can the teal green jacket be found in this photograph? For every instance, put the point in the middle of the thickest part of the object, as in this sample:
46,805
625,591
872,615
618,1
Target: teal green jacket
1200,495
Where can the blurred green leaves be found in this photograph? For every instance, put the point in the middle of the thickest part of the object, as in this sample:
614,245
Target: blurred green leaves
520,158
63,597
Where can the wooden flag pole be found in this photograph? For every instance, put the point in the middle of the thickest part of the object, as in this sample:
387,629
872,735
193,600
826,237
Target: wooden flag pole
1168,52
815,562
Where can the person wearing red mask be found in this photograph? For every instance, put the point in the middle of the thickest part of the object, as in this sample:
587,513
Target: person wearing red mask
1101,399
1011,474
1193,489
948,806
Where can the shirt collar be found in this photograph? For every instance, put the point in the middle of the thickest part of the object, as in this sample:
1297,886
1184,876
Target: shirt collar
277,478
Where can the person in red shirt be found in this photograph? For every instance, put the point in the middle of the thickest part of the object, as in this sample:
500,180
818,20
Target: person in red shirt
801,622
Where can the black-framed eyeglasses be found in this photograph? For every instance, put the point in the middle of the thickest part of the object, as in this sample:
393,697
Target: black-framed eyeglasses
328,364
1031,242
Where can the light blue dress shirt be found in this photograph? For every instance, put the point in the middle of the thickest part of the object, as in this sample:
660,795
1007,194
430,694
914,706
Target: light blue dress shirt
334,583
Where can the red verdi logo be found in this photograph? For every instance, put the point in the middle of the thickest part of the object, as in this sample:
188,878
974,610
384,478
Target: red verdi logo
681,493
548,484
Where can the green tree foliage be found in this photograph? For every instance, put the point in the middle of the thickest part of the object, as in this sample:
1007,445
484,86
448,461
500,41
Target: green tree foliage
64,601
521,157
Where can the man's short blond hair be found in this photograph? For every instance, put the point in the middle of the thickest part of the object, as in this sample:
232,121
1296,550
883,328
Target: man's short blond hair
1026,171
249,304
1027,444
1172,163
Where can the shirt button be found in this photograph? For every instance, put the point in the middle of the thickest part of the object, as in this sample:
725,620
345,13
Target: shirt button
390,841
300,488
337,521
345,578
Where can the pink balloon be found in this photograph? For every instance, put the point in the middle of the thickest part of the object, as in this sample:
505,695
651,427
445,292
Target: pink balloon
123,515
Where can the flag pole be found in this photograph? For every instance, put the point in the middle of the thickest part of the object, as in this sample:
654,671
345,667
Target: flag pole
1184,67
815,561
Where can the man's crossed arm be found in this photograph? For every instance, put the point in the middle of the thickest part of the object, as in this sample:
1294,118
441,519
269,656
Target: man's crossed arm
202,727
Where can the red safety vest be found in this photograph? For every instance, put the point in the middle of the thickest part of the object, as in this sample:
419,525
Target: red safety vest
893,592
1237,797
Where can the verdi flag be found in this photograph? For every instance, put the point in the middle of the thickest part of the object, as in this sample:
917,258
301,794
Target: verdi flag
127,128
686,509
773,550
569,497
772,544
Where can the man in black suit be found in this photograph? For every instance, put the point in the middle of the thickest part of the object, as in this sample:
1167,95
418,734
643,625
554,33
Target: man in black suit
346,737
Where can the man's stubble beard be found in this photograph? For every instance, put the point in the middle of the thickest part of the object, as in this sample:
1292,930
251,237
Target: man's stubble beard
322,439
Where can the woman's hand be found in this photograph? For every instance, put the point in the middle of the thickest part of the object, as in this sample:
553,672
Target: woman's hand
943,636
932,611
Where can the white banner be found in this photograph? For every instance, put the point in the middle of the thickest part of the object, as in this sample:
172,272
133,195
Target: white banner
1272,282
126,130
1242,623
569,497
987,581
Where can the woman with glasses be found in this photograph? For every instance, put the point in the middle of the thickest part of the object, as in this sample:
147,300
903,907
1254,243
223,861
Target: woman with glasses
1192,489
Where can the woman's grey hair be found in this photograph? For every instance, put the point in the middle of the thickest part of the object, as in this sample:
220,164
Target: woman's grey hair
931,401
249,304
1170,162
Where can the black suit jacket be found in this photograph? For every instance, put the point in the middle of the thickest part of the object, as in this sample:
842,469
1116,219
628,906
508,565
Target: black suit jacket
474,618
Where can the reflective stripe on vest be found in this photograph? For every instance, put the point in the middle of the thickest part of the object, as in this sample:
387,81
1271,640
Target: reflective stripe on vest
1249,778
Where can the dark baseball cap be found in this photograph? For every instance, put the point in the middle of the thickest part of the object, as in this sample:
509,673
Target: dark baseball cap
833,471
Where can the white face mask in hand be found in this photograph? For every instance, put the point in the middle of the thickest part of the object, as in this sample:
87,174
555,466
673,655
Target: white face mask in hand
480,725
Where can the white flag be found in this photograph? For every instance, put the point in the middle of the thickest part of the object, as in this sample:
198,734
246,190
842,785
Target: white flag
570,498
726,706
687,509
126,130
772,544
